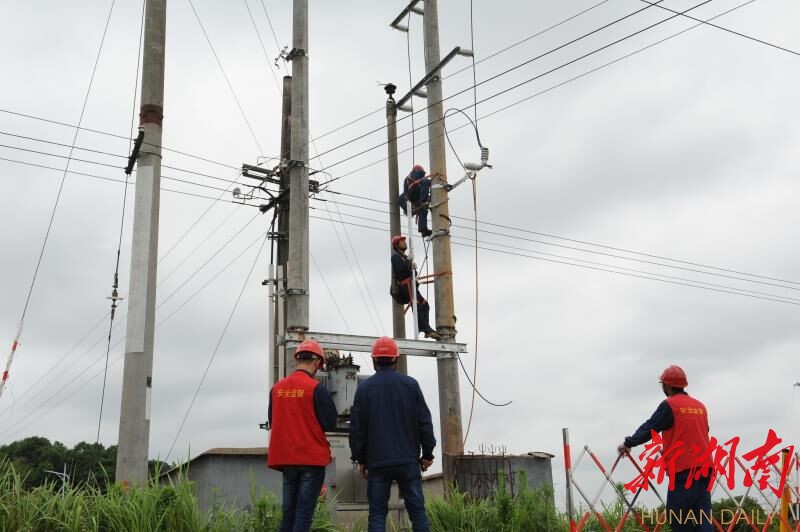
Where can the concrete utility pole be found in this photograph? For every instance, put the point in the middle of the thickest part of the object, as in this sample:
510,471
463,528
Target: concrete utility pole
449,393
134,421
297,291
279,364
398,314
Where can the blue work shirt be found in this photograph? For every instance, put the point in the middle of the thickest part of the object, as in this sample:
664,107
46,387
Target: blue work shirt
661,420
390,423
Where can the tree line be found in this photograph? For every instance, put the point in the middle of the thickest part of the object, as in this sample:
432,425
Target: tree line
86,463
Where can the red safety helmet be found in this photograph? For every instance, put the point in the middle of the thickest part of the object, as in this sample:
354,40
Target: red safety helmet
397,239
311,346
674,376
385,347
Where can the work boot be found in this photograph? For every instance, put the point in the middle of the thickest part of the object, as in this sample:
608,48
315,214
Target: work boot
431,333
426,233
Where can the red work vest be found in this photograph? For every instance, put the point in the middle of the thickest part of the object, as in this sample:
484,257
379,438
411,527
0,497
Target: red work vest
297,437
690,426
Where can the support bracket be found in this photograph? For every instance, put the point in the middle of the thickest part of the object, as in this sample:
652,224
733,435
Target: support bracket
363,344
294,52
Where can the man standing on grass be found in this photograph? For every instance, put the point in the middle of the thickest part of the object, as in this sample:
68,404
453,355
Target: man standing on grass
391,438
683,423
301,410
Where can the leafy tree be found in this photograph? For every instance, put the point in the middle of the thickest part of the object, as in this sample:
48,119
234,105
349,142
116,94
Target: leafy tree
86,463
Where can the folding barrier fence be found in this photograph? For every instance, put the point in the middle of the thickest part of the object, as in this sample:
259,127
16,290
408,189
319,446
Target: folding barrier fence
652,521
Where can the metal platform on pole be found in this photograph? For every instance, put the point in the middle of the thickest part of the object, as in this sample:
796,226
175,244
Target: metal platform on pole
363,344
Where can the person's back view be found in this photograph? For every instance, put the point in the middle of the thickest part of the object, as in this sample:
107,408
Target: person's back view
391,437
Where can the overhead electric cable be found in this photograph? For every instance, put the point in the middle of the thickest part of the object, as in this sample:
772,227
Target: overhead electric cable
733,32
20,325
159,324
115,285
123,137
553,87
520,84
732,290
216,348
526,39
531,60
584,250
227,80
68,383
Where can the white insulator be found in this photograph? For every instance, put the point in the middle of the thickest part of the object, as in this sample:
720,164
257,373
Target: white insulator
421,93
484,155
405,108
417,10
472,167
466,52
236,192
401,27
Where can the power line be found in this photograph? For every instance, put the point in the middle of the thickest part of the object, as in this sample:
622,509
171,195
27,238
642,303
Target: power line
518,66
553,87
520,84
123,137
263,48
649,4
377,321
95,176
564,21
175,311
216,348
733,32
228,81
18,334
115,283
584,250
125,157
645,275
98,163
53,367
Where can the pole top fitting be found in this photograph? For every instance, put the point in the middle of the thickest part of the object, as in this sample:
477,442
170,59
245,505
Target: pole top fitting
390,88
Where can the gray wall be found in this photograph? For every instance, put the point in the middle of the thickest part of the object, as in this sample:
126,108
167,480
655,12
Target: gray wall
227,478
478,474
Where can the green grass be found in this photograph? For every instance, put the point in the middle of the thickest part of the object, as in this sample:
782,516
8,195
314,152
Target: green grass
173,507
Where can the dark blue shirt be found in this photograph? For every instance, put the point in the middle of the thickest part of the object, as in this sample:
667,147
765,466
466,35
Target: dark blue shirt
390,422
401,266
662,419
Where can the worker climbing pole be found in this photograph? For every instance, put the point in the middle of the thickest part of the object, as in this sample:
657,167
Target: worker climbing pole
405,289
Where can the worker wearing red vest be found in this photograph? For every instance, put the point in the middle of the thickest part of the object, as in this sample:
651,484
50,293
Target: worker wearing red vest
301,410
683,423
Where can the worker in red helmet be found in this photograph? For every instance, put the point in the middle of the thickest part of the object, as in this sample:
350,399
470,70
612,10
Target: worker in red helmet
300,411
402,291
417,190
391,438
683,423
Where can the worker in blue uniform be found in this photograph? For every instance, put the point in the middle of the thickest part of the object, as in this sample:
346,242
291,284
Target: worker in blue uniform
417,190
391,438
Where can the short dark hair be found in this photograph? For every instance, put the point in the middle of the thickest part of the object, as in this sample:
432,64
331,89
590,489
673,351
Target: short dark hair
385,361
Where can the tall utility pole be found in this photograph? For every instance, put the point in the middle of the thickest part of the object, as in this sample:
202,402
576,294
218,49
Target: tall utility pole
398,314
282,236
134,420
297,290
449,394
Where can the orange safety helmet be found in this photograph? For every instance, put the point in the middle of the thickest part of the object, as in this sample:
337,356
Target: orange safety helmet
385,347
396,240
674,376
311,346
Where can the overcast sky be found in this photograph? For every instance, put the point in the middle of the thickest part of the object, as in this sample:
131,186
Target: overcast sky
687,150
